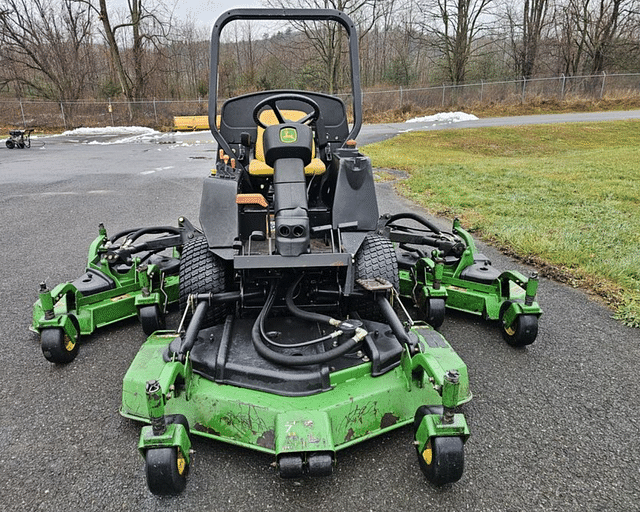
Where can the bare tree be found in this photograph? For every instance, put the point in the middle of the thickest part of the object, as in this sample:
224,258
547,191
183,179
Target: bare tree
455,28
591,32
46,47
149,23
526,23
327,38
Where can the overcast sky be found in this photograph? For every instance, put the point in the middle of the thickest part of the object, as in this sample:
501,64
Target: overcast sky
207,11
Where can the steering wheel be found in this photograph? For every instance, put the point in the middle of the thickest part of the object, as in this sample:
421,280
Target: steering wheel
272,103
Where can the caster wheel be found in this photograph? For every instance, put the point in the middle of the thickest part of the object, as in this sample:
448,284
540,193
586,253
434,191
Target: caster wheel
57,346
10,144
442,460
290,466
320,464
434,312
423,411
177,419
522,331
166,470
151,319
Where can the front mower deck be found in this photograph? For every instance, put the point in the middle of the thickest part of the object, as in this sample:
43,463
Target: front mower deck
229,393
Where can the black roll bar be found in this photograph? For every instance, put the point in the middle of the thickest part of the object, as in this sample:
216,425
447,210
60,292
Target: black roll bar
283,14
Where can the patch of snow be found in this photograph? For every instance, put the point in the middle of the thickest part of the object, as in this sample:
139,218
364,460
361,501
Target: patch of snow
444,117
111,130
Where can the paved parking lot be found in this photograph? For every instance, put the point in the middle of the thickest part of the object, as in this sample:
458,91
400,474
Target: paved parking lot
554,426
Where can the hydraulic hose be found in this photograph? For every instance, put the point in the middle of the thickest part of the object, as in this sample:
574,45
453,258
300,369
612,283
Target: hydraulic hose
392,319
290,360
307,315
418,218
191,335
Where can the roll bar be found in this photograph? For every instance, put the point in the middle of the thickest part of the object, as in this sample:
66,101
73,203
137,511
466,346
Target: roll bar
284,14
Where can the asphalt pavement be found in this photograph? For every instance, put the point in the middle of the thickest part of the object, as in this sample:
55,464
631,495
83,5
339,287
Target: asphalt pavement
554,426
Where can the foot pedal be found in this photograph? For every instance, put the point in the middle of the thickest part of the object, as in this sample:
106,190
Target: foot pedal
375,285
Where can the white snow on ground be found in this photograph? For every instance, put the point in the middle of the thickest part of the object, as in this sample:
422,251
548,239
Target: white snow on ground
131,134
115,134
111,130
445,117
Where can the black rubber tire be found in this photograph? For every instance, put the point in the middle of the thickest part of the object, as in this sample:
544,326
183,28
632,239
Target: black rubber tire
375,258
10,144
320,464
203,272
522,332
177,419
442,460
166,471
434,311
423,411
57,346
151,319
290,466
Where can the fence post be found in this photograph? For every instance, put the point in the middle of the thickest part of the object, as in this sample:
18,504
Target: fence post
604,77
524,87
481,89
155,112
64,120
24,123
564,79
443,89
401,97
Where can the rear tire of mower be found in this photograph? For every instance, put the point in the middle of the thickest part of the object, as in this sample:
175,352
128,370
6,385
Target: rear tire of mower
201,271
375,258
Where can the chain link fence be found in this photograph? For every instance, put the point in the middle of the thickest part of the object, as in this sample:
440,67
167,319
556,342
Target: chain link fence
16,113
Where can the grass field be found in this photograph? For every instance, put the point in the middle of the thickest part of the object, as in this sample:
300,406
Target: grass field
565,197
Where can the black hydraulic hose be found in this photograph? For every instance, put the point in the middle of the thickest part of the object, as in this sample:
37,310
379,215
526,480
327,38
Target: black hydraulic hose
418,218
191,335
393,320
306,315
265,336
133,236
123,233
135,233
289,360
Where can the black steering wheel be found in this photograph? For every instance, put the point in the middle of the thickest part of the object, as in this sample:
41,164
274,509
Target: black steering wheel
272,103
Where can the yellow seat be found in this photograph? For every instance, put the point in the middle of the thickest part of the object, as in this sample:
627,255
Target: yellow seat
257,166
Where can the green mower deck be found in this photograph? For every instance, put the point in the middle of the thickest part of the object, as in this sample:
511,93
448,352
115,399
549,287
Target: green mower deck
303,427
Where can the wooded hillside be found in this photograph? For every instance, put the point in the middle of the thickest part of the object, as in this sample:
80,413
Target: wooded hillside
66,50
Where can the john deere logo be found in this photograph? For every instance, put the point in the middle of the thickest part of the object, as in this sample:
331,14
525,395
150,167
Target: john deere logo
288,135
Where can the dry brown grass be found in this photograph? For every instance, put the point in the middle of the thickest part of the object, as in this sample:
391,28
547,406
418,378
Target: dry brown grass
532,107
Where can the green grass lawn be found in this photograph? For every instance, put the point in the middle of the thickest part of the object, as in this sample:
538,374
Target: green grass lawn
564,196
